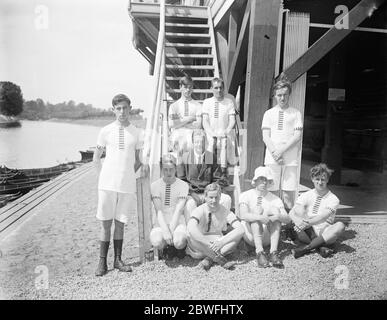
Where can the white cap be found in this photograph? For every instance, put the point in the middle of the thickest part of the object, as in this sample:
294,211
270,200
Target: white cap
263,172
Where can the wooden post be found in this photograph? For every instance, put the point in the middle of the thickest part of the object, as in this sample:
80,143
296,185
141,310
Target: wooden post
259,76
332,152
144,212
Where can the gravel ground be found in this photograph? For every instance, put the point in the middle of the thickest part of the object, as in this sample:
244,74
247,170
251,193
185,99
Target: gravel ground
61,238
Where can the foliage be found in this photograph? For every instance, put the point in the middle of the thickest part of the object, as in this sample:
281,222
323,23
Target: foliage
11,99
39,110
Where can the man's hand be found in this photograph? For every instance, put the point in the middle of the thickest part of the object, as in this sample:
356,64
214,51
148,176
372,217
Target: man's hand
216,245
144,171
274,216
302,225
264,218
167,235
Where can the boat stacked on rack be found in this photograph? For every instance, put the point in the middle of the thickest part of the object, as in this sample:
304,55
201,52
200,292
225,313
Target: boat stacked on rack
14,182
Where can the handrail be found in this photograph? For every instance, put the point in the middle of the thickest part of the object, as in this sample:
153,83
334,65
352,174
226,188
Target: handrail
213,41
152,126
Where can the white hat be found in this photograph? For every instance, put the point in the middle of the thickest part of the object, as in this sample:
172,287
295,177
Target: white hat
263,172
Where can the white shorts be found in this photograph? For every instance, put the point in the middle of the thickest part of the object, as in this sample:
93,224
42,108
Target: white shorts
194,251
116,205
249,233
287,175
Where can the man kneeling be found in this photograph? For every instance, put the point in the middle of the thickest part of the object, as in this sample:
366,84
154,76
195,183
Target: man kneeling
205,231
169,195
262,214
314,215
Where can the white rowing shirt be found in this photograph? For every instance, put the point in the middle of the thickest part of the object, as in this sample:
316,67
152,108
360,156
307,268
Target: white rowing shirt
169,194
314,204
182,109
213,222
218,113
282,123
117,173
253,201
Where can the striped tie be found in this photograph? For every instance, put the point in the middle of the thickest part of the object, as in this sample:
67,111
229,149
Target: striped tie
216,115
259,201
281,120
121,136
209,221
316,205
186,113
167,200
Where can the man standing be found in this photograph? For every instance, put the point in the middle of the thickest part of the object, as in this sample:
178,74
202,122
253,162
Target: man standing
117,182
169,195
208,238
262,214
314,215
218,122
184,116
282,132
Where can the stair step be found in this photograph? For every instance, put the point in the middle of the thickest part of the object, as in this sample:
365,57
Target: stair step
188,45
184,15
173,66
193,78
194,91
187,35
171,101
189,55
188,25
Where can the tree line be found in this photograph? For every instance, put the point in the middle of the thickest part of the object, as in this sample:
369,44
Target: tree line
12,104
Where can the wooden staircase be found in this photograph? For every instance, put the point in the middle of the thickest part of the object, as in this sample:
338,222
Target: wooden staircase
190,50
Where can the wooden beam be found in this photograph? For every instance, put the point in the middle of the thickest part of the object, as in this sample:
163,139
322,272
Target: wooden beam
232,35
331,38
222,55
236,66
259,76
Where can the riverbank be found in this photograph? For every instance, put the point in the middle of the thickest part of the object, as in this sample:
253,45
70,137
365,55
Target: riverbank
97,122
60,241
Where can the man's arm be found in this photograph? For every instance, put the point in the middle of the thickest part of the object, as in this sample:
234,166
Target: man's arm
206,125
160,218
298,216
179,210
248,216
321,217
97,158
231,123
269,144
194,232
290,143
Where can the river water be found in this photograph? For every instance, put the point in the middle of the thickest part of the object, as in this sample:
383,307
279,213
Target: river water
39,144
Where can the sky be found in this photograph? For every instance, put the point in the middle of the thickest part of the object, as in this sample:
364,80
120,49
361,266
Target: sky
61,50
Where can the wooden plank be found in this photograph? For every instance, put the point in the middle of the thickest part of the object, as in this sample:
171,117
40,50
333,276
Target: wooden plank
260,74
190,55
186,25
330,39
194,67
232,35
144,212
193,78
236,67
27,198
211,32
186,35
188,45
222,55
14,217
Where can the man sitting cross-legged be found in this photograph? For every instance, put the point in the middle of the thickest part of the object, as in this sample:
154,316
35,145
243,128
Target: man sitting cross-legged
205,231
314,215
262,214
197,167
169,195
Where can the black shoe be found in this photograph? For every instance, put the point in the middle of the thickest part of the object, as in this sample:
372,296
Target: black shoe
262,260
298,253
121,266
102,268
180,253
206,264
169,252
325,252
275,260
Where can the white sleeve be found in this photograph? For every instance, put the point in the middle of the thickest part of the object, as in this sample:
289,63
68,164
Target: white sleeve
101,141
266,121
